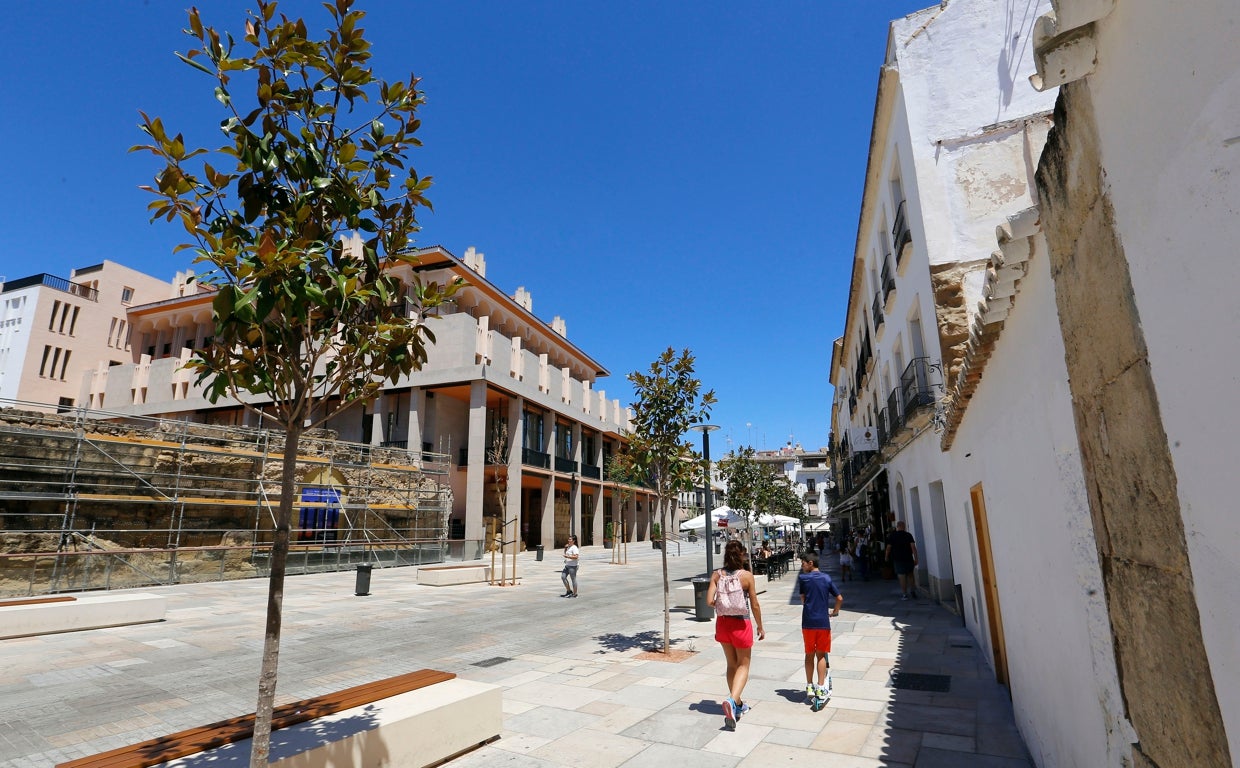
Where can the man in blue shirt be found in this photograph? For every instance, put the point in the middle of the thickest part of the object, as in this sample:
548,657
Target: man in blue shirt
816,590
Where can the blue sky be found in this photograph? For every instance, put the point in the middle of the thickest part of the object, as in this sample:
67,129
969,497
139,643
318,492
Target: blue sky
682,174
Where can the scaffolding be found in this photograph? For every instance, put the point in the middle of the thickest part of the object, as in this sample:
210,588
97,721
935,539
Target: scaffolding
93,500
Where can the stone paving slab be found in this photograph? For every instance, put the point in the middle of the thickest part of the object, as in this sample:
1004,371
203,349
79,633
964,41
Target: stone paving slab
575,692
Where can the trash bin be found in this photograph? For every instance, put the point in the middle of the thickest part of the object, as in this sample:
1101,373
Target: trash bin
363,579
700,606
538,552
718,548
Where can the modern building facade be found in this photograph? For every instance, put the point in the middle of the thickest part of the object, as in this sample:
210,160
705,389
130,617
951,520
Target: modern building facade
504,394
54,329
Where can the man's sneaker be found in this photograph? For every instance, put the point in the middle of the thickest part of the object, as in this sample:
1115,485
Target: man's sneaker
744,710
729,713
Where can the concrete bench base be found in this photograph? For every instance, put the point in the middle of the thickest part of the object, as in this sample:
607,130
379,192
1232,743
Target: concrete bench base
682,597
86,612
448,575
416,729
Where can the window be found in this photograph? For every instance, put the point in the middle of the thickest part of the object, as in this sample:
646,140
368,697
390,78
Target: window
51,323
811,486
64,315
64,364
533,431
47,350
167,348
112,334
73,320
126,295
51,371
66,404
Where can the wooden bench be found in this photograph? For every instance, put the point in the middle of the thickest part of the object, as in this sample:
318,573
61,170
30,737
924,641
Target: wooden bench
36,601
199,740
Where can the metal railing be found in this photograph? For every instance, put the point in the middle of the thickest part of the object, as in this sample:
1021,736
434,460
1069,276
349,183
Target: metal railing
565,465
52,281
535,458
900,232
916,390
39,573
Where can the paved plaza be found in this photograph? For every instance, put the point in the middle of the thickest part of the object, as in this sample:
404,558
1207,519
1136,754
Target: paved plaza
575,692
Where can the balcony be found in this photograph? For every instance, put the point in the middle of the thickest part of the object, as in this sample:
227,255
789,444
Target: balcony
916,389
58,283
901,234
877,310
889,283
894,415
535,458
566,466
591,471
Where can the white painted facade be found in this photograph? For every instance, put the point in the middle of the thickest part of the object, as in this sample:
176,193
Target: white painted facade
958,133
1173,185
1016,448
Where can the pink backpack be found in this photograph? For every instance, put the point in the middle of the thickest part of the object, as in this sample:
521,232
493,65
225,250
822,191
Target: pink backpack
730,599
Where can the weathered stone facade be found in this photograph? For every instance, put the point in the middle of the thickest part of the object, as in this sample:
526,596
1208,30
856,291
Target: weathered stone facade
1164,671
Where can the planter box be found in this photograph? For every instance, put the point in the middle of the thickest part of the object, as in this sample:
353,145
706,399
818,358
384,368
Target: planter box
420,728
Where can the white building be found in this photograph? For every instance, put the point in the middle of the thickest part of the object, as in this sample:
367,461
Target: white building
957,130
1137,207
1085,325
808,474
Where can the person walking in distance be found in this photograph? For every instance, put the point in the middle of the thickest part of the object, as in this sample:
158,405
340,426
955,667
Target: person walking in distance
731,588
572,556
902,554
817,589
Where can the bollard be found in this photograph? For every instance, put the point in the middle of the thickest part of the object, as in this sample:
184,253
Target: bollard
363,579
538,553
701,608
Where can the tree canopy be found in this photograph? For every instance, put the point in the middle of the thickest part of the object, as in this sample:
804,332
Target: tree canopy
301,219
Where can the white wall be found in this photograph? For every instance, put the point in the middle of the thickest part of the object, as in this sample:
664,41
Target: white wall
1018,440
1174,184
16,320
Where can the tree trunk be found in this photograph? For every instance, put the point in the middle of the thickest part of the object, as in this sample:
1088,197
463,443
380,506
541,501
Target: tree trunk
667,602
261,743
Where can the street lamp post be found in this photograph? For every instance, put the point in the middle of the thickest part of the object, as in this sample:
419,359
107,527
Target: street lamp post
706,429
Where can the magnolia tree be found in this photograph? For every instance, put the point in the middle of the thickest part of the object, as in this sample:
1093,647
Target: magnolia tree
315,148
669,400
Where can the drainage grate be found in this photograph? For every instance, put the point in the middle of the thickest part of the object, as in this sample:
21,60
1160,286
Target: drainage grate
491,662
962,645
913,681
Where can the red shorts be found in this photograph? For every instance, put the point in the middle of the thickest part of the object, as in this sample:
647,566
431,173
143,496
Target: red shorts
737,633
817,640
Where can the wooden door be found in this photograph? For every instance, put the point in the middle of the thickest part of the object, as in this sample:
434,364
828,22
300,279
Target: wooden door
990,586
